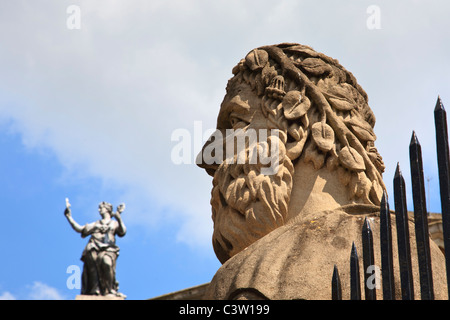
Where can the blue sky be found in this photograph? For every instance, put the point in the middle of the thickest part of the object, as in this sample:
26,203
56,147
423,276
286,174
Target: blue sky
88,114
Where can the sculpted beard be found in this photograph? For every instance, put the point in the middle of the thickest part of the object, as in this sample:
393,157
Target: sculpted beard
248,204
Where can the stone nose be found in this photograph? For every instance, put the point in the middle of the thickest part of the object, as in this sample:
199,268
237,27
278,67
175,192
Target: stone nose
212,153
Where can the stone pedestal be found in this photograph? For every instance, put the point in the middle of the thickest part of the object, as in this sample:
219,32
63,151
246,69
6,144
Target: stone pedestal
92,297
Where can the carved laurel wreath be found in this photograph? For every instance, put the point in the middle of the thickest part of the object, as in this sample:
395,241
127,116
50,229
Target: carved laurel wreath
307,94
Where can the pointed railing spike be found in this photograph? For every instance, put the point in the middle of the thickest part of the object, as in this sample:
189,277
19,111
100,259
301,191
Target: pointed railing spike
387,261
355,282
421,219
336,289
404,250
440,121
368,262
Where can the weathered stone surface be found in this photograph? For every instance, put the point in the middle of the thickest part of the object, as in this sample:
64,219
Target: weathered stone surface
279,233
296,261
93,297
192,293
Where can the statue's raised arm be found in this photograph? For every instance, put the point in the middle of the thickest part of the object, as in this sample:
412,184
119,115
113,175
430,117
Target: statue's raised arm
121,229
68,213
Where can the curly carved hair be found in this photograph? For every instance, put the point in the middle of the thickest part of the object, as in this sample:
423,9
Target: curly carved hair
106,205
321,111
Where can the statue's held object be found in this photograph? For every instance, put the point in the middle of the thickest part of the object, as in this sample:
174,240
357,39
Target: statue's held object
101,252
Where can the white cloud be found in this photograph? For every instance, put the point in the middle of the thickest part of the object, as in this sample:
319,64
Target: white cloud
7,296
42,291
36,291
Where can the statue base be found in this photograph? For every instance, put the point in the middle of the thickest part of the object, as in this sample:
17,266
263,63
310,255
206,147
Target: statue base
93,297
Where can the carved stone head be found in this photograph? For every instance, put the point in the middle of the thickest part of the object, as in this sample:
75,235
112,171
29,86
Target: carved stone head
315,119
105,207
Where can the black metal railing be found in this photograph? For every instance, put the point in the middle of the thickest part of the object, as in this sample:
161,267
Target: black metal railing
403,237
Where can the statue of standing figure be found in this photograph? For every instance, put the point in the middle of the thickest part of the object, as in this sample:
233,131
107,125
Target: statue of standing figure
101,252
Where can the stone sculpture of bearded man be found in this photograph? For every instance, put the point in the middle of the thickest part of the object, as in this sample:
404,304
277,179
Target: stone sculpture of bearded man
327,175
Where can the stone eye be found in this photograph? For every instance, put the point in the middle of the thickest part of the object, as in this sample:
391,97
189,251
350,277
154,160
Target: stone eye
237,123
